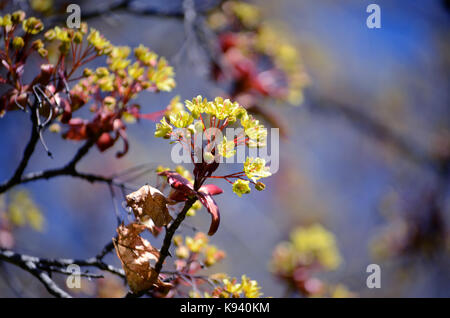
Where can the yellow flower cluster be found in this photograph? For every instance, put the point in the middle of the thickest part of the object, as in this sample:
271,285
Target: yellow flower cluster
231,288
31,25
147,72
64,37
200,115
99,42
310,245
255,168
198,245
265,38
219,108
241,187
273,42
22,210
247,14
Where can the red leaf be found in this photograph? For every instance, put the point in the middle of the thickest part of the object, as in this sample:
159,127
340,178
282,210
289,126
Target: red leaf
210,189
179,183
212,208
184,188
177,196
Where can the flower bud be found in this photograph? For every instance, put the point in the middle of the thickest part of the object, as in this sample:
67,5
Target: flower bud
38,44
6,22
54,128
18,16
109,102
83,28
260,186
87,72
64,48
32,25
182,252
18,43
177,239
101,72
50,35
43,52
78,37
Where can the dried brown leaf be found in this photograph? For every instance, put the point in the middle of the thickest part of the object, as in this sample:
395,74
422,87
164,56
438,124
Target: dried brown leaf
135,253
149,203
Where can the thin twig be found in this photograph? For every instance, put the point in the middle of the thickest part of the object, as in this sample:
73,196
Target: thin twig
68,169
29,264
40,267
29,149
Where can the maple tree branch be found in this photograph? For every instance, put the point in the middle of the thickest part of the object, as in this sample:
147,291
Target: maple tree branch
29,264
125,6
68,169
29,149
41,268
170,231
190,276
106,250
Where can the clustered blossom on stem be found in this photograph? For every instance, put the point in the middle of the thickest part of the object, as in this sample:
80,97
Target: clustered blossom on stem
193,254
208,119
196,249
311,249
109,89
257,59
231,288
112,88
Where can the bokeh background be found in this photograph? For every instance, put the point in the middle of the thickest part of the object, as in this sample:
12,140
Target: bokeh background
367,153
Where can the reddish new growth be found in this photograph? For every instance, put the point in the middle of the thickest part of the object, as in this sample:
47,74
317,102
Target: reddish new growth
257,61
109,90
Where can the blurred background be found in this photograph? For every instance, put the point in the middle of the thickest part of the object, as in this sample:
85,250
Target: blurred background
366,154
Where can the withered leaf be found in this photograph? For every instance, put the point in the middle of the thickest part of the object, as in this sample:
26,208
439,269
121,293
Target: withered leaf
135,253
149,203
